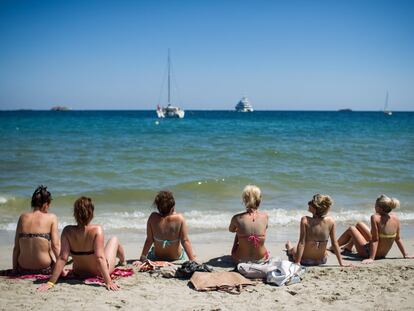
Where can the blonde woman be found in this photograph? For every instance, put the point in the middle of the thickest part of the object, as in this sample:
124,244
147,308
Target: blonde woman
250,228
314,234
377,242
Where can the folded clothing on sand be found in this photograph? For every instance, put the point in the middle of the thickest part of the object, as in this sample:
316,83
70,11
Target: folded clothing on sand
189,267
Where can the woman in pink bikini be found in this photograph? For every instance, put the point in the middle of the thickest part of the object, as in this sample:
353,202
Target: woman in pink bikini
377,242
250,228
314,234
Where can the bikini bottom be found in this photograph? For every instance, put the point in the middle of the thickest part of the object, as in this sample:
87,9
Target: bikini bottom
46,271
151,255
313,262
367,249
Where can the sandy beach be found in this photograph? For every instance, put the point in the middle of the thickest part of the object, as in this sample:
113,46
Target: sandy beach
385,285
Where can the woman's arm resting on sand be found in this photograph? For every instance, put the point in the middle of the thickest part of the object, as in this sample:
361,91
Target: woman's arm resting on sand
400,244
373,245
16,248
60,264
185,241
301,243
335,246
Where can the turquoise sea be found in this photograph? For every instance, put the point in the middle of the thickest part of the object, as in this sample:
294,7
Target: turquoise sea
122,158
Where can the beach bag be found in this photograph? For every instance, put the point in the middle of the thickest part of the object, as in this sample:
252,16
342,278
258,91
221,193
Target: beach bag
230,282
285,273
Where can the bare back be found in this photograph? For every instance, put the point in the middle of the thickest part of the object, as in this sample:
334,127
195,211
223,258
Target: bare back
250,232
37,240
167,233
80,243
385,229
317,232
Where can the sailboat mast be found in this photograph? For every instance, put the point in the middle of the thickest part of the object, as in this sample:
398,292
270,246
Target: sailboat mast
169,74
386,102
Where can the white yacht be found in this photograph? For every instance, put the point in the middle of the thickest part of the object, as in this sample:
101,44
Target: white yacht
244,105
170,111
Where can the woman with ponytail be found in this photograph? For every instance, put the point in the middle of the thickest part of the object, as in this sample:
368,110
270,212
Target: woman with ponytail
37,243
377,242
250,228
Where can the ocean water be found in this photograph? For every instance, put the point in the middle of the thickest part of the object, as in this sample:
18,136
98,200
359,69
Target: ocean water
122,158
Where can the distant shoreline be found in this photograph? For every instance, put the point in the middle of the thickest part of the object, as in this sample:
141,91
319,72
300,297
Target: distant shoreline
194,110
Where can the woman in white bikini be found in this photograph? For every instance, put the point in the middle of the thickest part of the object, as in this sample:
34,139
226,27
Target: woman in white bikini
37,243
314,234
377,242
250,228
85,243
166,232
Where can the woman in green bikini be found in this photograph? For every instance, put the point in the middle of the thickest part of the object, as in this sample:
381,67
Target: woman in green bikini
377,242
166,232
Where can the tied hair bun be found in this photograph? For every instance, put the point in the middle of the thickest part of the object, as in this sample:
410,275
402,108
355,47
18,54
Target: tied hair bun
322,203
386,203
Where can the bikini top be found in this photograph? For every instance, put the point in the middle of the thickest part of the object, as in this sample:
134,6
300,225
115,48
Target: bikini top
165,243
387,236
35,235
82,253
254,238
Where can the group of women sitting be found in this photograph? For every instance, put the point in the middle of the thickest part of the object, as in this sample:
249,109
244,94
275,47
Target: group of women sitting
38,248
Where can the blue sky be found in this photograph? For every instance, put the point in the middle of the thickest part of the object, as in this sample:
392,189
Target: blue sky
284,55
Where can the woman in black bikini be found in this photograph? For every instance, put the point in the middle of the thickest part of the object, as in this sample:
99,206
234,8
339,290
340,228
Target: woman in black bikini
377,242
37,243
85,243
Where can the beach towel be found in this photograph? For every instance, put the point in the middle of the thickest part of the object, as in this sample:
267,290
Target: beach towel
149,265
277,272
116,274
286,273
230,282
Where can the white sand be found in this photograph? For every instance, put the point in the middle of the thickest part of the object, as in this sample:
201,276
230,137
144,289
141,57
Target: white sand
385,285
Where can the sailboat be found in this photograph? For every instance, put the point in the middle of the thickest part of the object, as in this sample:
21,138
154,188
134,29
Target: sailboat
170,111
386,111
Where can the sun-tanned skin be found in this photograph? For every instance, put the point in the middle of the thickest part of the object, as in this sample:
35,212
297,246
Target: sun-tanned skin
251,222
36,252
382,223
85,239
313,238
172,227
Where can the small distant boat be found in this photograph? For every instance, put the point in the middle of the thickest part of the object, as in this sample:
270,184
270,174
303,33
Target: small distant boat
170,111
244,105
60,108
386,110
